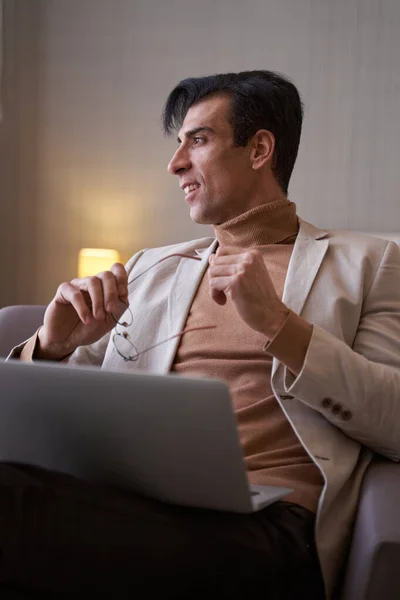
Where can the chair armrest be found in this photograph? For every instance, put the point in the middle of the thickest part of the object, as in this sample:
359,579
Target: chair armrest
17,323
373,568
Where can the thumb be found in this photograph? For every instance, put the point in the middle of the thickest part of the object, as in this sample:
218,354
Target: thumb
218,296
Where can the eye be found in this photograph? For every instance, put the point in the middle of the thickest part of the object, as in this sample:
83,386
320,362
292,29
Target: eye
198,140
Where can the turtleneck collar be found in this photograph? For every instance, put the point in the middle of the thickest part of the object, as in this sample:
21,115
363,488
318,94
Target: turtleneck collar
269,223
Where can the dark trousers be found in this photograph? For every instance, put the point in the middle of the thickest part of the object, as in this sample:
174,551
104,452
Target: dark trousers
64,538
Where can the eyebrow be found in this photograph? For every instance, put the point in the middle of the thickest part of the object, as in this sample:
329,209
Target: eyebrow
192,132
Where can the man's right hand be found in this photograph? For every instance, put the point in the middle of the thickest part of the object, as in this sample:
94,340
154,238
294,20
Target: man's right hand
82,312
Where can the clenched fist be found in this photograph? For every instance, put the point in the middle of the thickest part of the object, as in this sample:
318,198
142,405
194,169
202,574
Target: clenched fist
243,276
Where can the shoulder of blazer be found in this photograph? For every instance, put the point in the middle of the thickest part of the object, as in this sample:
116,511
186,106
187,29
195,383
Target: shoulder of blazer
364,243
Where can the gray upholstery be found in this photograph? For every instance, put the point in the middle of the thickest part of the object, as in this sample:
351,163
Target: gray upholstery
373,567
17,323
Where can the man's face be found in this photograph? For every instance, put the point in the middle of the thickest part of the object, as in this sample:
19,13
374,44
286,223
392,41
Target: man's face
215,175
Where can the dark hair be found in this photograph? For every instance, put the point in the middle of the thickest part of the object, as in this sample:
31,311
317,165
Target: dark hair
260,100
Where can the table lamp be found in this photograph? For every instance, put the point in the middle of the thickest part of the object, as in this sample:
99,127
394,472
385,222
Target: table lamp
94,260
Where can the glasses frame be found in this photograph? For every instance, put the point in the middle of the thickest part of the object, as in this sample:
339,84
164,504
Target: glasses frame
125,324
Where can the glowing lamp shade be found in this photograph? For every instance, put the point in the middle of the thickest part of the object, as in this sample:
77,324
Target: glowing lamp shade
94,260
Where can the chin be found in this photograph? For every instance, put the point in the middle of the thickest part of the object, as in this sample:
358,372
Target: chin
197,216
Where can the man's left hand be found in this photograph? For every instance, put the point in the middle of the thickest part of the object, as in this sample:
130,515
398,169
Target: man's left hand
242,276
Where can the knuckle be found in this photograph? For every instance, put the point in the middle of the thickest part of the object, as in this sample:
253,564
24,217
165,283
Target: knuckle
118,267
66,285
92,281
76,295
253,255
107,276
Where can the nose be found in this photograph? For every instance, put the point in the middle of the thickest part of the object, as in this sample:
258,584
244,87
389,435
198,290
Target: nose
179,162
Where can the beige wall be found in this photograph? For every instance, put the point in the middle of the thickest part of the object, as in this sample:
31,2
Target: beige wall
19,156
82,159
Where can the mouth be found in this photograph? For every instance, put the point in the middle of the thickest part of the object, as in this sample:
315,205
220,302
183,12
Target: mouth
190,190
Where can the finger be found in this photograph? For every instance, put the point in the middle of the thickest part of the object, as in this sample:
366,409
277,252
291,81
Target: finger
223,283
218,297
94,287
122,280
227,250
220,288
67,293
110,291
220,270
226,259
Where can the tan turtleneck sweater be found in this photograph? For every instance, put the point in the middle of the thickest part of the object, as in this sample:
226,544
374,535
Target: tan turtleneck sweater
234,352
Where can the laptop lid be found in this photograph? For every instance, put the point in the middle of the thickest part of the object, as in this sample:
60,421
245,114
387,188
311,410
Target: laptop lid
169,437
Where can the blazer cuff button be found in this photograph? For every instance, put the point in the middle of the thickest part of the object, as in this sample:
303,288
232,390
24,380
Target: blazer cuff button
326,403
346,415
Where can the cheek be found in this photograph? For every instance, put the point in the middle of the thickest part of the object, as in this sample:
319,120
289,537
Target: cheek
222,173
219,173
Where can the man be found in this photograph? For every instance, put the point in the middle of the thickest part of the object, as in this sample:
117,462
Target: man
306,333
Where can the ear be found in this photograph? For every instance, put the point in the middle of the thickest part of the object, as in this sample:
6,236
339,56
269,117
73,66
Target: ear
262,150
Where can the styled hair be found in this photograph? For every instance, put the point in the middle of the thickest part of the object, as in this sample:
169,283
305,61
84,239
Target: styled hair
259,100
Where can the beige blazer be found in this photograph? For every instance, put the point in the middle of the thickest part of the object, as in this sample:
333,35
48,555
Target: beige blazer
345,403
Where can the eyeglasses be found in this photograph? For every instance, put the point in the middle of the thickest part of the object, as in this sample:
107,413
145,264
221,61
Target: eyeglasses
122,340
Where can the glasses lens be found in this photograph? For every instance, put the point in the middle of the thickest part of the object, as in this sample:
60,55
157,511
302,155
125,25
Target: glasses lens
126,319
124,347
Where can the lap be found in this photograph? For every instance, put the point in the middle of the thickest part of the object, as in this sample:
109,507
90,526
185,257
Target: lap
60,535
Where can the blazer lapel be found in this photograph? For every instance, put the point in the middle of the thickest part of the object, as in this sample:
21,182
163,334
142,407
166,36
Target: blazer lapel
183,290
308,253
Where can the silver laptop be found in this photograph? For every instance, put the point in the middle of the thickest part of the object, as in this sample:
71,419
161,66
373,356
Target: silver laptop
168,437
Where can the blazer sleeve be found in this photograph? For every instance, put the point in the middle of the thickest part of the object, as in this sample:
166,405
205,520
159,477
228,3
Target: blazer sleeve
358,389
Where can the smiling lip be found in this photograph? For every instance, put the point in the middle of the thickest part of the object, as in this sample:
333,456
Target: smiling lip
189,184
189,197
